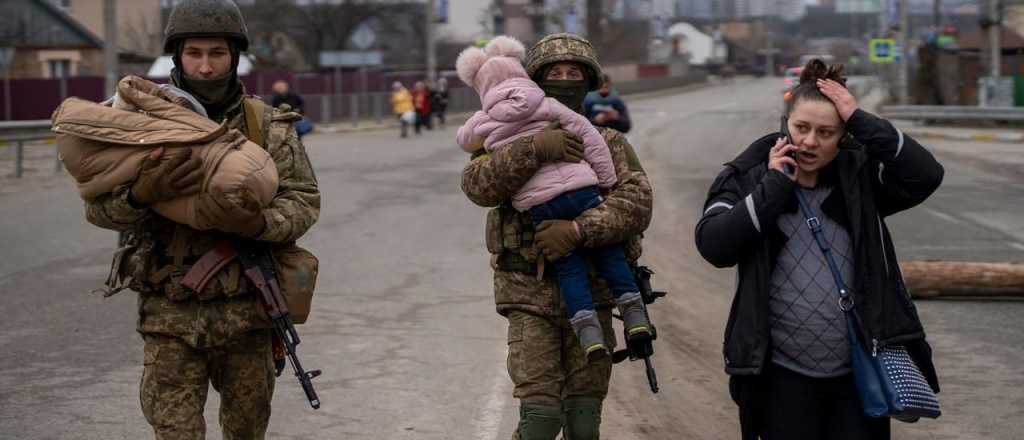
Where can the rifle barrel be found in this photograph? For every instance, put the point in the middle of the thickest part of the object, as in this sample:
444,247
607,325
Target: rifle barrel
652,377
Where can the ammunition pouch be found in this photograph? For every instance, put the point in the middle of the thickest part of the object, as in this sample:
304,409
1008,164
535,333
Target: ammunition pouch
297,269
509,238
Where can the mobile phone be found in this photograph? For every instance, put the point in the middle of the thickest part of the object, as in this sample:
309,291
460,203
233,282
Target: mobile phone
789,140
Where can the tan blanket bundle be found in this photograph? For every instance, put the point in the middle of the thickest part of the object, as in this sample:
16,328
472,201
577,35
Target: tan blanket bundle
103,147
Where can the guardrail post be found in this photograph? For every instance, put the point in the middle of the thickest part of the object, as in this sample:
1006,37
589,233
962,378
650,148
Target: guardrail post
354,101
19,152
325,108
378,112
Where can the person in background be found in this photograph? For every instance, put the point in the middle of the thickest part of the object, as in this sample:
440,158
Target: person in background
421,101
604,108
401,105
283,95
439,100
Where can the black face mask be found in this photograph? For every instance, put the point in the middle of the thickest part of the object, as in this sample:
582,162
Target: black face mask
569,92
216,95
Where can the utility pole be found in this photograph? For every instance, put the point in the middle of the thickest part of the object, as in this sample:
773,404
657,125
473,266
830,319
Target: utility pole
431,40
110,46
769,53
994,43
904,63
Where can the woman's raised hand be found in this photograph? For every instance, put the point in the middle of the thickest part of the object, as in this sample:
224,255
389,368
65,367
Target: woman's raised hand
778,160
844,101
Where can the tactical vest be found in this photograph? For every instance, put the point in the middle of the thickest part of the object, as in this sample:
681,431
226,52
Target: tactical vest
154,259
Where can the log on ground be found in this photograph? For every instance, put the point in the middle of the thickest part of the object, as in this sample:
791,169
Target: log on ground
932,279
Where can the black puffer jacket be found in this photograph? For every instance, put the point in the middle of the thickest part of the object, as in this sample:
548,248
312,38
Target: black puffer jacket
878,172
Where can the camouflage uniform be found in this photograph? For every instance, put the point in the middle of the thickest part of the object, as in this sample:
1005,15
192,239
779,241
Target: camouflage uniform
545,361
220,335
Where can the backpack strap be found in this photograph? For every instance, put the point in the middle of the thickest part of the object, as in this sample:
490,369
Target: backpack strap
255,119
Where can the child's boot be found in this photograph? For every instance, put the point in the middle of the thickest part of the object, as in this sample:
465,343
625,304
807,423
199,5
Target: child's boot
591,336
634,317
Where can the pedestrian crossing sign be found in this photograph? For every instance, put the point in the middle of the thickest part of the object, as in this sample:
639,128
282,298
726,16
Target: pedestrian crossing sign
882,50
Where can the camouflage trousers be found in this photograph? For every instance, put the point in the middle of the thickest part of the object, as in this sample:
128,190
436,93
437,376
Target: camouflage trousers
547,364
177,376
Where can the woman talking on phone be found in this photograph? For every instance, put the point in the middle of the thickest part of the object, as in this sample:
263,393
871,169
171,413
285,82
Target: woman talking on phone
787,349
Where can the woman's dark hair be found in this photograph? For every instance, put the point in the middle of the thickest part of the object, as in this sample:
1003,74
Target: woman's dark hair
808,88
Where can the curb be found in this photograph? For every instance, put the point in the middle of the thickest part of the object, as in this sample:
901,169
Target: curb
976,137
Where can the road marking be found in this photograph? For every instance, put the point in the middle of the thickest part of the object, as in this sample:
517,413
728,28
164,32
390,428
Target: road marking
944,216
1017,245
488,422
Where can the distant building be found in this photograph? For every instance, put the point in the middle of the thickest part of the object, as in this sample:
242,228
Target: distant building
699,48
48,42
139,25
696,9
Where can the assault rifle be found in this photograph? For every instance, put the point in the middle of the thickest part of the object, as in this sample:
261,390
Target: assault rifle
644,351
259,268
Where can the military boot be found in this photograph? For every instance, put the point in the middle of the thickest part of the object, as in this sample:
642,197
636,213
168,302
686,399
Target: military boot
588,331
634,317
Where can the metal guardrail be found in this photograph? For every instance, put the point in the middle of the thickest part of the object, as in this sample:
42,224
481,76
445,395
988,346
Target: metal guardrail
950,112
20,141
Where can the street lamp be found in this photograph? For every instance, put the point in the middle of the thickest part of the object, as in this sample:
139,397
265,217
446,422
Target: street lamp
6,59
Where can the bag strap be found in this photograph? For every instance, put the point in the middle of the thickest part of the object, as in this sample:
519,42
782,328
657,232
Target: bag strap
845,300
254,111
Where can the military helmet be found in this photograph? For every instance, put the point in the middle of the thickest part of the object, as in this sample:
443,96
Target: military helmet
563,47
205,18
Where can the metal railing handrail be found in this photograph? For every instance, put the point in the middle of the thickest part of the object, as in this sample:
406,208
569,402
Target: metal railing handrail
21,125
952,112
20,140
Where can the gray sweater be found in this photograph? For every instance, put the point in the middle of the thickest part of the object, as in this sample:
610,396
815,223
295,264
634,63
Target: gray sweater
808,330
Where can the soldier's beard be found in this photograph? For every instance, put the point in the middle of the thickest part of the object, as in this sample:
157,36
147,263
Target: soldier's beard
569,92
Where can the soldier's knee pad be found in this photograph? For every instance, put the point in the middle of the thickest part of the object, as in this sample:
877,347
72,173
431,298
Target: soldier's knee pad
582,418
539,422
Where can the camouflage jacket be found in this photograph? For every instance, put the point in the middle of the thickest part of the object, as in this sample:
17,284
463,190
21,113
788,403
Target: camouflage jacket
226,308
491,179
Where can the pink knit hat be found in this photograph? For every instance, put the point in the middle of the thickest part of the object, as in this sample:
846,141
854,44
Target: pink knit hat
485,68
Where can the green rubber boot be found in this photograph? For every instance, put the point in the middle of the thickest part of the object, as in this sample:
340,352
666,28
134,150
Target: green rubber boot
538,422
582,418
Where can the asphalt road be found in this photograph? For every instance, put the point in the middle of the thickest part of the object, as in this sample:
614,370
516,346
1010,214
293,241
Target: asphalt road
404,324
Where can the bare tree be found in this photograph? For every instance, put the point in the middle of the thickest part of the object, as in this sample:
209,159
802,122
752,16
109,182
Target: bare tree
143,36
314,27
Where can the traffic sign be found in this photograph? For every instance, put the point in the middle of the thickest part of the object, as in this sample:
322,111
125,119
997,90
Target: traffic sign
882,50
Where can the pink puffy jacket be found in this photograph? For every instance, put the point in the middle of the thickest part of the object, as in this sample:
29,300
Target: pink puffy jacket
516,107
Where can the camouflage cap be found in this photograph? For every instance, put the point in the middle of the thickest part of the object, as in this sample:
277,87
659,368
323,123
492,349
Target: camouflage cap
205,18
563,47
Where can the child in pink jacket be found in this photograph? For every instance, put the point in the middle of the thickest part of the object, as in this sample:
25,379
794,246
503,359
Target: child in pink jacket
515,107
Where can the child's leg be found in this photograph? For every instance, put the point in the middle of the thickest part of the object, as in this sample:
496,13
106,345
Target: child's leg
613,268
574,281
573,277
